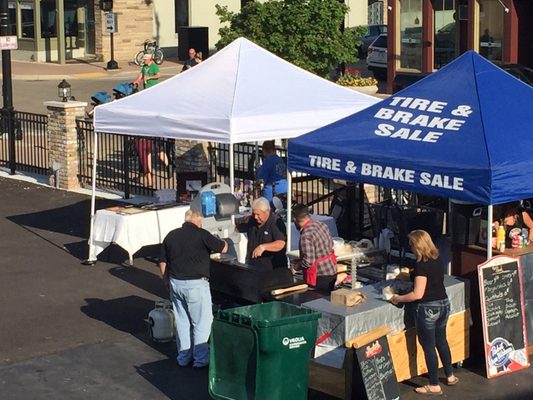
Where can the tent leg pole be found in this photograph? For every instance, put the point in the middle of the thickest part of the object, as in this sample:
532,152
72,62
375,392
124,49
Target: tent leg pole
231,170
91,259
289,209
489,231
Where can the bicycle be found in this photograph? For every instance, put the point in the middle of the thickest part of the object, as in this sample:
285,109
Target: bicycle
150,47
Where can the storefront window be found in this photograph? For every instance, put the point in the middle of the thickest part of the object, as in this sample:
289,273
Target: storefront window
27,20
411,34
445,32
48,18
491,14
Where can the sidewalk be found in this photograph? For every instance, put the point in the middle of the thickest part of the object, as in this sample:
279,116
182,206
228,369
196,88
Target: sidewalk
81,69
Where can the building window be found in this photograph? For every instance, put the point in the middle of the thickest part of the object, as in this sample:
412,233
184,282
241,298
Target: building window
491,14
445,32
48,18
411,34
27,21
181,8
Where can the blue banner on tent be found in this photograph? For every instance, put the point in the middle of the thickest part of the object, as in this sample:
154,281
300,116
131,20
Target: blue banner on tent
463,132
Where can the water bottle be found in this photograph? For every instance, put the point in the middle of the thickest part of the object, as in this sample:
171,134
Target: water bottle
501,238
209,204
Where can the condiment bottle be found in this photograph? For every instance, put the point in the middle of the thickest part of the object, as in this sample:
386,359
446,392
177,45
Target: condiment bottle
501,238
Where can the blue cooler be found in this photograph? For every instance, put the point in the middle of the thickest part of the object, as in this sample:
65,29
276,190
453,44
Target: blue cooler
208,202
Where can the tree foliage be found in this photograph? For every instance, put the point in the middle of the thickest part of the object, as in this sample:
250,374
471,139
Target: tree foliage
308,33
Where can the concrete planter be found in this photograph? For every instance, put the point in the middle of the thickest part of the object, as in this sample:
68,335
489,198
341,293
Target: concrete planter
371,90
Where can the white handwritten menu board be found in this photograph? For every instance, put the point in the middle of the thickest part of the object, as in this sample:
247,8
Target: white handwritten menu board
376,371
503,315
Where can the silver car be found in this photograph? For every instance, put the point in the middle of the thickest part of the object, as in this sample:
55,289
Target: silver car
376,60
372,32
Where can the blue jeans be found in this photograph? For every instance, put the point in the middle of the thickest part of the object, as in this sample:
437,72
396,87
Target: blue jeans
191,301
431,318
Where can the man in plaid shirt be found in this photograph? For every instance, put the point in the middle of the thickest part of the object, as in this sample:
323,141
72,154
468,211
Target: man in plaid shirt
317,259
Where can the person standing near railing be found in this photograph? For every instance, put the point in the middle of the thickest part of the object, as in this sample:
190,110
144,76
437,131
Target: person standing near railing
273,172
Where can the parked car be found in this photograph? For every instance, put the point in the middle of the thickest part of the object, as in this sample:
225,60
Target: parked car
525,74
372,33
376,60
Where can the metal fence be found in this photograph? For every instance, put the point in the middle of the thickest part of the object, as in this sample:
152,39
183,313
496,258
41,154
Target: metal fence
119,164
31,143
126,164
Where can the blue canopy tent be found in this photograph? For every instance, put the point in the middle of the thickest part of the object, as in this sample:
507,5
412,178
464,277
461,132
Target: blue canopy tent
464,132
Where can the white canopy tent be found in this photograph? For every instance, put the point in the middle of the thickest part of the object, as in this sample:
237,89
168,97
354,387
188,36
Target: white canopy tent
243,93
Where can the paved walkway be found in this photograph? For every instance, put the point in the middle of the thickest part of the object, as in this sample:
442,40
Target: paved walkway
79,69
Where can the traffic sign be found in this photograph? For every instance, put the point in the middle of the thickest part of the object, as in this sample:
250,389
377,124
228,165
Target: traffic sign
8,43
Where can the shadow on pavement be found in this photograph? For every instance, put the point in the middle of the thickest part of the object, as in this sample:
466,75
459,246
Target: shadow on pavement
71,221
127,314
175,382
145,280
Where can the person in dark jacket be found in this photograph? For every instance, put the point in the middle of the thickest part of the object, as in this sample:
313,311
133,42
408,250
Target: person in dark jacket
185,262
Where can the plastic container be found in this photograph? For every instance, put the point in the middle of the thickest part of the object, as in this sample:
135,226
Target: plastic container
501,238
261,352
208,201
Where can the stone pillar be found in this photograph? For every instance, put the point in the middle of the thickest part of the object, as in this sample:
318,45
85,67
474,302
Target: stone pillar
191,156
63,141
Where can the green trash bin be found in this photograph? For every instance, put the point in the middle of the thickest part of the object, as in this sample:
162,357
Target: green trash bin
261,351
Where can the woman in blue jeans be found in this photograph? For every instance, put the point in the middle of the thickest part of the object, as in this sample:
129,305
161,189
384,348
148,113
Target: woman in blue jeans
432,310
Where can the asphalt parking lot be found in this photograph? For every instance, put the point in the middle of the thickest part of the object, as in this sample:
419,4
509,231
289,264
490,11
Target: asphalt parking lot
73,332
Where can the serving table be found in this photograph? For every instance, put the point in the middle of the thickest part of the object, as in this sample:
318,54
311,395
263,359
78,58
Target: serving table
133,230
331,369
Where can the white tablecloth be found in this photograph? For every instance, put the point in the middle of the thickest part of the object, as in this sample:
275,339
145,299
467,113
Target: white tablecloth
132,232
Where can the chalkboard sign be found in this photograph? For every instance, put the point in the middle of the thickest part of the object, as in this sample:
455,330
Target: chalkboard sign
376,370
503,315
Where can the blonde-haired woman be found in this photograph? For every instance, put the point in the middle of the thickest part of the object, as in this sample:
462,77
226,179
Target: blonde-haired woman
432,310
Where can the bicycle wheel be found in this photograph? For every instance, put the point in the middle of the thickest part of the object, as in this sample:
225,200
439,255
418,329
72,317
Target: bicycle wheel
138,60
158,57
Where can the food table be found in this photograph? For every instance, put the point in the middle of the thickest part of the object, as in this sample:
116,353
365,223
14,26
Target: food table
333,362
133,229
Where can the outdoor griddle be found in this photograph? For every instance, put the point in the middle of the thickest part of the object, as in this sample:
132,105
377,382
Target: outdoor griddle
247,282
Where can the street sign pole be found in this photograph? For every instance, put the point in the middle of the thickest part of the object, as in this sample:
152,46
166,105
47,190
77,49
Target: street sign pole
111,28
7,87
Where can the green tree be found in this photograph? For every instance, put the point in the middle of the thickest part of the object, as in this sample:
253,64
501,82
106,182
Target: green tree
307,33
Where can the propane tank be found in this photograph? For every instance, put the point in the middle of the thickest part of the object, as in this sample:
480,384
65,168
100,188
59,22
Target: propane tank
161,322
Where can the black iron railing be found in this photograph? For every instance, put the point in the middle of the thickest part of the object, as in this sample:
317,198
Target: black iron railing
31,143
118,167
127,164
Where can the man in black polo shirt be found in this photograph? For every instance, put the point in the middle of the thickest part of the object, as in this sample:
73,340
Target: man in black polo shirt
185,261
266,237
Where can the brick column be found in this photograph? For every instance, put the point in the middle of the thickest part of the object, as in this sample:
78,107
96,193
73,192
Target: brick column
63,141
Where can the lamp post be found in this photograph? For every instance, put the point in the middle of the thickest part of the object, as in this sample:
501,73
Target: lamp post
64,90
7,87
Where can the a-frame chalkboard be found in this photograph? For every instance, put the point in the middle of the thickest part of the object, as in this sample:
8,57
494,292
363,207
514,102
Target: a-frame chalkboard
374,370
503,315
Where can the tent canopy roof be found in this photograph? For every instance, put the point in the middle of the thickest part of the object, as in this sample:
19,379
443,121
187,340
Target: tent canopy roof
242,93
463,132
